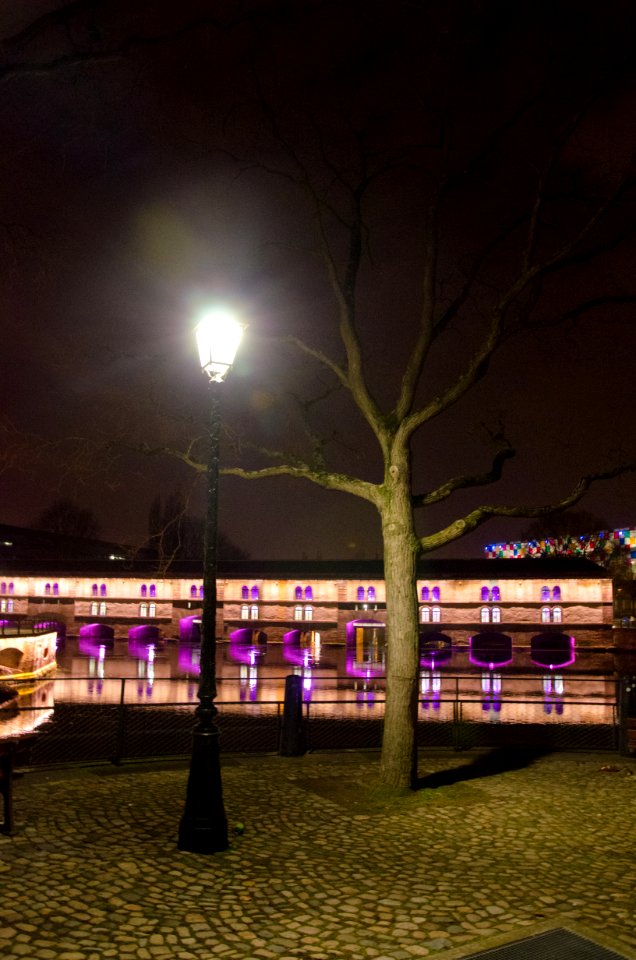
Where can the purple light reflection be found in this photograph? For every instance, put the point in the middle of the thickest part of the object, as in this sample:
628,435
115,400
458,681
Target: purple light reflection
97,631
490,650
552,650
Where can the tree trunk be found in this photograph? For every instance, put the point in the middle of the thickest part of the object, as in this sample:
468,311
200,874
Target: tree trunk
398,766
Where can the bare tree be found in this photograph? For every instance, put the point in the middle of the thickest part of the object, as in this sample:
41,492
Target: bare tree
505,226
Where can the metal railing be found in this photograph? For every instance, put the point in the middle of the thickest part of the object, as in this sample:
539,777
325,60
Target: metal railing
63,730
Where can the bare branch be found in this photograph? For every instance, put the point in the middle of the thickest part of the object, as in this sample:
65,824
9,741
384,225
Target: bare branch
506,452
329,481
480,515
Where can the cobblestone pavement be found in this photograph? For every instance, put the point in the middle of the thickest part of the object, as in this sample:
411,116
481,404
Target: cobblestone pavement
92,871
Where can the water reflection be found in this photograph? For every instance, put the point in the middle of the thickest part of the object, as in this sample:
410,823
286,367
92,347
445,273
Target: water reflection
556,677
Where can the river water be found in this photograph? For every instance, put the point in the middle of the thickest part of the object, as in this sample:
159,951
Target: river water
570,681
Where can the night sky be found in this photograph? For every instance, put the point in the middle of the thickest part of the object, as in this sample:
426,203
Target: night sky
148,151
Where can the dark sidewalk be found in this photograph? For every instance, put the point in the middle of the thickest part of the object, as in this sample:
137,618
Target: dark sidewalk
486,855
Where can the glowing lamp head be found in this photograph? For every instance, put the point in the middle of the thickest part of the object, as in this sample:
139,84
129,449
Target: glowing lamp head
218,335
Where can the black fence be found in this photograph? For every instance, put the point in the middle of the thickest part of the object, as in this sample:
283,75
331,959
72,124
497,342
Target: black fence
62,729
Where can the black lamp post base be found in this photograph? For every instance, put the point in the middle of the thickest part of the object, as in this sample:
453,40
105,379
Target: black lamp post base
203,827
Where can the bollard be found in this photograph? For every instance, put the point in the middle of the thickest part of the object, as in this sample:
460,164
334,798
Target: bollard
292,735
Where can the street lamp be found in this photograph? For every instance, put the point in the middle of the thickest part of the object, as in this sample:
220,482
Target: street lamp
203,826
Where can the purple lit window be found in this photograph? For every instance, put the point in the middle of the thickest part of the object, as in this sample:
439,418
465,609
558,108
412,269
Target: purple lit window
436,594
484,614
201,592
47,589
426,594
193,590
309,593
556,593
545,593
102,590
245,593
485,595
56,589
144,590
94,589
10,588
495,594
371,593
425,614
360,593
255,593
3,587
298,593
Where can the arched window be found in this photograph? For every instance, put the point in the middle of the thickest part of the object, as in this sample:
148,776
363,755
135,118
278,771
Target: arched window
3,587
556,593
437,614
56,589
545,614
94,609
144,590
254,612
201,592
143,609
436,594
10,588
426,594
47,589
309,613
153,590
193,590
496,614
298,613
309,593
371,593
484,613
485,595
152,609
557,615
245,612
102,609
102,590
425,614
255,593
545,593
360,593
245,594
298,593
495,594
94,590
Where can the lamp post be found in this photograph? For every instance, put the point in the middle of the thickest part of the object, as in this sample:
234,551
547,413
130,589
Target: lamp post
203,826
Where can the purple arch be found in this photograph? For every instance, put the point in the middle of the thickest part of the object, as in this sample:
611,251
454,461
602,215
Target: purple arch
490,649
97,630
247,645
190,629
144,633
552,650
434,648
